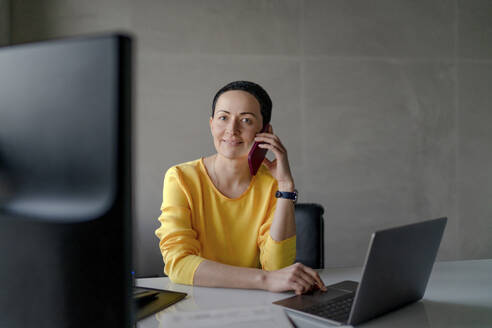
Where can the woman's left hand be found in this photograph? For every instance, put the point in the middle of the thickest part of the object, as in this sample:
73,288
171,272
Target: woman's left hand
279,167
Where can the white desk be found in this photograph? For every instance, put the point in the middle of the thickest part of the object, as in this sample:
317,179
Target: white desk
459,294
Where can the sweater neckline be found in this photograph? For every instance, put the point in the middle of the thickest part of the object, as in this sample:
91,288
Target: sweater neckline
209,180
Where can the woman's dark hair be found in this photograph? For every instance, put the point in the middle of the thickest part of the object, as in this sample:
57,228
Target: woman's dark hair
256,91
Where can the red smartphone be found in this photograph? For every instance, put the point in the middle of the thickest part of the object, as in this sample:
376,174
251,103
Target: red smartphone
257,155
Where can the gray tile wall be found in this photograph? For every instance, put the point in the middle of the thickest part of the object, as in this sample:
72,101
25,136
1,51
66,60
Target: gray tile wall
384,106
474,159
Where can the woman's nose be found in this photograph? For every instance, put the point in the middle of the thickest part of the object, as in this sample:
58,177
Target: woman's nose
233,126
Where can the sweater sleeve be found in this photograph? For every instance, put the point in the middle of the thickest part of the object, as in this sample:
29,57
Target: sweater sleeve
275,255
179,245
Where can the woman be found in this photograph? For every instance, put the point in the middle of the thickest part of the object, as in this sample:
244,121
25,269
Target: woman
219,224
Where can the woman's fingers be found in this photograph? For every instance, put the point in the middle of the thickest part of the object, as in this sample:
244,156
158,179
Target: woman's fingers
307,278
316,277
268,137
275,150
295,280
297,288
272,140
309,275
269,163
296,277
300,286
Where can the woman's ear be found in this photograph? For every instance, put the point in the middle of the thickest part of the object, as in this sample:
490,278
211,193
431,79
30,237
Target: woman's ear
210,122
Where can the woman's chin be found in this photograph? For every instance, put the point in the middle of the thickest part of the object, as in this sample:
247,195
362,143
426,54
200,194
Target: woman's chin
234,155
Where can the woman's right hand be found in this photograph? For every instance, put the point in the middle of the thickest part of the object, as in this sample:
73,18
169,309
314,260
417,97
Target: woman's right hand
296,277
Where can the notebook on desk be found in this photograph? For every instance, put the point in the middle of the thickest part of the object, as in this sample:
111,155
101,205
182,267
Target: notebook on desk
149,301
396,271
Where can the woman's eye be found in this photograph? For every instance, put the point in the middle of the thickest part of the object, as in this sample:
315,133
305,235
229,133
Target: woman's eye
222,118
246,120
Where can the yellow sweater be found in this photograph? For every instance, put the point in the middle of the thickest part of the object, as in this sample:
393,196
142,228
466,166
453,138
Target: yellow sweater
198,222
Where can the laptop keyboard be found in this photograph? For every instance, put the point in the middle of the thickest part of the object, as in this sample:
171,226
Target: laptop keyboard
337,310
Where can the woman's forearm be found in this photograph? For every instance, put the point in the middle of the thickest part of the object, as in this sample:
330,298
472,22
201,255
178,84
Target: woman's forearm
215,274
295,277
284,223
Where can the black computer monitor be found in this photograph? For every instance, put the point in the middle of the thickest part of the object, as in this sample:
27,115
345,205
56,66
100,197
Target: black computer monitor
65,183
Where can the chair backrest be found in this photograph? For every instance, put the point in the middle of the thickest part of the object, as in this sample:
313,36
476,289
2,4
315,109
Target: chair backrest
310,235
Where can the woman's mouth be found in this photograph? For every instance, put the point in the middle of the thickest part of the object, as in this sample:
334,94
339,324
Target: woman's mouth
232,142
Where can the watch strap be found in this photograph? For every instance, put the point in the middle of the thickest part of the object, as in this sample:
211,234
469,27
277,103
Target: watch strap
287,195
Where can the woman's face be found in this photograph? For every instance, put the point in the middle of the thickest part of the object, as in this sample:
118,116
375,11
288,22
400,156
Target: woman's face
237,120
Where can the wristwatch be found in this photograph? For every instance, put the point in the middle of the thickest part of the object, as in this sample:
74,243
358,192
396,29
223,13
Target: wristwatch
287,195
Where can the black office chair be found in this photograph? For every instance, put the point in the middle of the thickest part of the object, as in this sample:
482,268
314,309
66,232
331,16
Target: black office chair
310,235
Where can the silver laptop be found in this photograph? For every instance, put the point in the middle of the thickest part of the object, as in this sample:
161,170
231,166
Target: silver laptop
396,271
